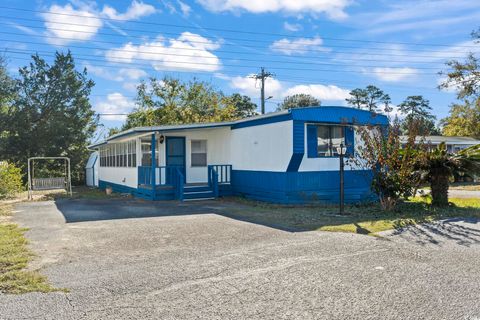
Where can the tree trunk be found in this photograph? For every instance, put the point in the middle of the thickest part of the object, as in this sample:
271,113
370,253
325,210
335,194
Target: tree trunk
439,183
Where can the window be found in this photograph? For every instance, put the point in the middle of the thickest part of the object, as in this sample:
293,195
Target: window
323,140
119,154
146,152
328,138
199,153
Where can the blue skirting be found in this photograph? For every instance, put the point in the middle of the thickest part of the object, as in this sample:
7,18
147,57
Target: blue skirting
137,192
303,187
278,187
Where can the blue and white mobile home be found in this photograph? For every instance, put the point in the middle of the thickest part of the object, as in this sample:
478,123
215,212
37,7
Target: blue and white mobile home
284,157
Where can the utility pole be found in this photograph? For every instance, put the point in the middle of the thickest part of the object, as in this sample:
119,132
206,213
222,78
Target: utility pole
262,76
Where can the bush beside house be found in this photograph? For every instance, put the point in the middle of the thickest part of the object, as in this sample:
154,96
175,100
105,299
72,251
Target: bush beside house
10,180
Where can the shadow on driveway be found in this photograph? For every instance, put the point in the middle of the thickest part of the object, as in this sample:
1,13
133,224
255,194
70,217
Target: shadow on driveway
465,232
82,210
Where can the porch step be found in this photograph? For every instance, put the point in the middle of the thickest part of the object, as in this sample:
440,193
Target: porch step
189,195
199,199
196,188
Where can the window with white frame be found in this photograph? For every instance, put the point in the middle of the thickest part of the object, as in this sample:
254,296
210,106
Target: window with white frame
199,153
119,154
328,138
323,140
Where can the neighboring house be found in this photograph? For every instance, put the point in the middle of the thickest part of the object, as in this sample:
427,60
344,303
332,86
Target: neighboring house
286,157
91,170
454,144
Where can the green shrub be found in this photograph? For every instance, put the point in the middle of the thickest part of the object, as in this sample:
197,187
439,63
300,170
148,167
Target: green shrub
10,180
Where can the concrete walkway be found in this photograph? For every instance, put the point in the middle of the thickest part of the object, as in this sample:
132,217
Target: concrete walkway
161,261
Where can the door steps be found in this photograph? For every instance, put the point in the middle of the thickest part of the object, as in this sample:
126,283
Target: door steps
198,192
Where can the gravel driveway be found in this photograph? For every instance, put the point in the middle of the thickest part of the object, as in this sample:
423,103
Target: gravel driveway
164,261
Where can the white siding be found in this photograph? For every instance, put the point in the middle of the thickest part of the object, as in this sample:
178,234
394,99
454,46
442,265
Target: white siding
119,175
265,147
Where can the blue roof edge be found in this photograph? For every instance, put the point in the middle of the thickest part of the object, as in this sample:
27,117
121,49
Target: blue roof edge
327,114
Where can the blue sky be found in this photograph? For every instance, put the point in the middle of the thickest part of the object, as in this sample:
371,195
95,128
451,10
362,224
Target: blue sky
324,48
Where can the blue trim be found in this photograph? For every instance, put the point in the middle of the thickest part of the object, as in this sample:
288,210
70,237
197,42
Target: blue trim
184,153
298,137
295,162
154,160
312,143
340,115
350,140
303,187
262,121
137,192
323,114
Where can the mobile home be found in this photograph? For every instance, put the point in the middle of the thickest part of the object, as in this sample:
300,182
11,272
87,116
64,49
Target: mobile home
284,157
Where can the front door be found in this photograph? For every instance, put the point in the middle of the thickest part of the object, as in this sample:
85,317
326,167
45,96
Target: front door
175,154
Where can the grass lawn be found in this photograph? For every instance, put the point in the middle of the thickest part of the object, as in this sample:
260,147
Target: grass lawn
461,186
364,219
468,186
78,192
14,257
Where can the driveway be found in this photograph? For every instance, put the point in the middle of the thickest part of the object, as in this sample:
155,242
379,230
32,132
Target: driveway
131,259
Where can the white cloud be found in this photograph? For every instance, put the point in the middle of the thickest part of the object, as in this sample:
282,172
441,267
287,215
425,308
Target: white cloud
394,74
419,15
249,86
119,75
137,9
117,104
188,52
103,73
130,86
320,91
82,22
133,74
279,90
300,46
185,8
24,29
335,9
78,25
294,27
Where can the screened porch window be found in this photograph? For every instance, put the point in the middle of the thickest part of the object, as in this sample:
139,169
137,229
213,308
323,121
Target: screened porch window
199,153
119,154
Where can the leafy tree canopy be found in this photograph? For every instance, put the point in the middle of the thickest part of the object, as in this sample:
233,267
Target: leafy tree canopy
299,100
50,114
417,112
464,77
172,101
7,94
463,120
371,98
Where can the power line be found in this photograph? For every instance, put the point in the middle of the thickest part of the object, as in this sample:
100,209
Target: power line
279,47
191,64
262,76
285,78
222,29
389,55
15,50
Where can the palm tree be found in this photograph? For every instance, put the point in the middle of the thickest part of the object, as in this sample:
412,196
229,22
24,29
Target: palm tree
438,167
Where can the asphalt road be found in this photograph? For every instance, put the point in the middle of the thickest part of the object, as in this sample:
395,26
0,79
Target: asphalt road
190,262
